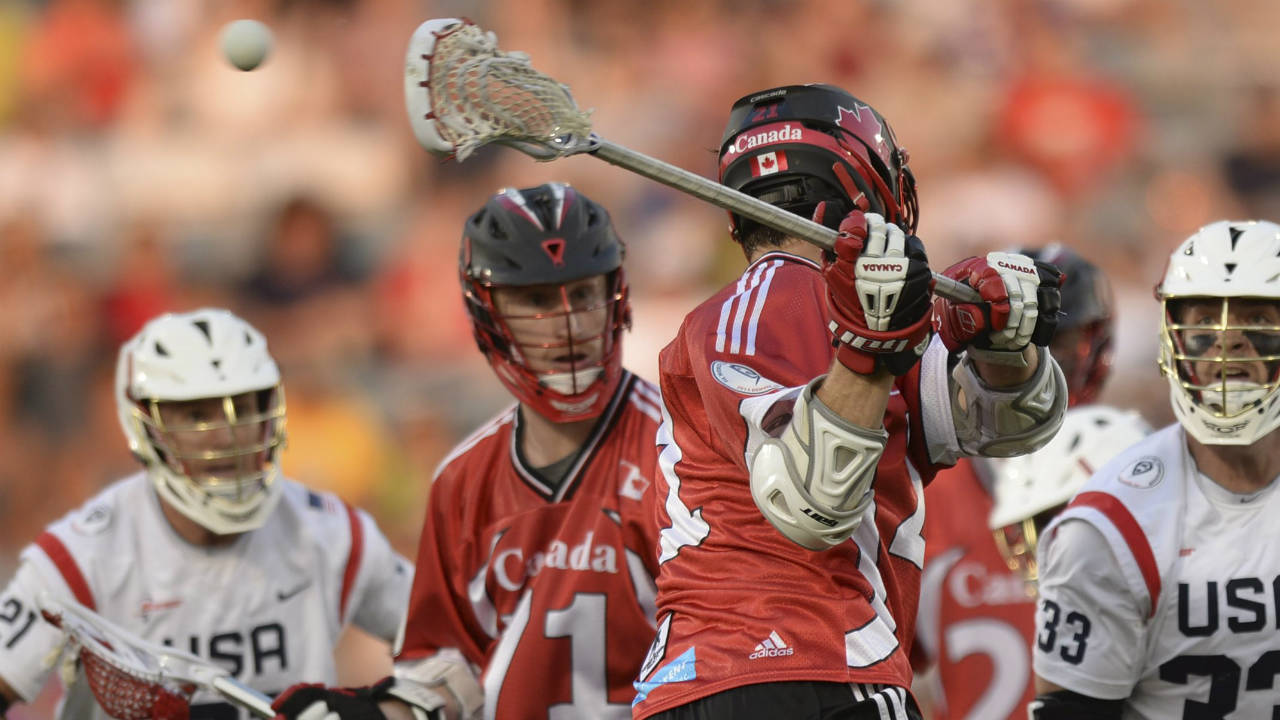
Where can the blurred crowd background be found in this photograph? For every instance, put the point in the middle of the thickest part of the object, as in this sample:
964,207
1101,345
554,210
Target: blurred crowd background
140,172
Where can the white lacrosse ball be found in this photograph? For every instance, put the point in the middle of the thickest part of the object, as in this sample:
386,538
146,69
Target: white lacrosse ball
246,43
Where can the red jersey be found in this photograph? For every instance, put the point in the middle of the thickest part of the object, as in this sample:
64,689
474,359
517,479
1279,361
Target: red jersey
549,589
976,622
738,603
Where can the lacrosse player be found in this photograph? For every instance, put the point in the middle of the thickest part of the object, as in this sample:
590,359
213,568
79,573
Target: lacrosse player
208,549
534,594
1158,583
976,618
805,405
977,602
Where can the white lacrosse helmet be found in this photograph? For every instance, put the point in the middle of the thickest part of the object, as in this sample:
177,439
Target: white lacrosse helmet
1224,373
216,462
1028,487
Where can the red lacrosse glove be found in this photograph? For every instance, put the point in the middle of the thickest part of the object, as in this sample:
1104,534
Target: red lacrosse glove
879,293
309,701
1021,303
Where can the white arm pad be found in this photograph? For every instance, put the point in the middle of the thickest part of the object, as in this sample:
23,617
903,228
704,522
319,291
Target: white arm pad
814,481
441,683
1005,422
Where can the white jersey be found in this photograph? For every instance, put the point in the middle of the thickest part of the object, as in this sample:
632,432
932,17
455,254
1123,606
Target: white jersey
1162,587
268,607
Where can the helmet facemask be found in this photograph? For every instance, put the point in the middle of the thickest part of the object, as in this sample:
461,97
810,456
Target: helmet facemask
557,347
1221,356
1018,543
542,279
218,454
198,396
1030,490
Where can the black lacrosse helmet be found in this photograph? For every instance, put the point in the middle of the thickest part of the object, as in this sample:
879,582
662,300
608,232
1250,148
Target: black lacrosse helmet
547,235
1082,343
798,145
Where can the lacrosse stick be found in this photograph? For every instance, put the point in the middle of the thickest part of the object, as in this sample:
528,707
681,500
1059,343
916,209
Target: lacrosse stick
462,93
133,679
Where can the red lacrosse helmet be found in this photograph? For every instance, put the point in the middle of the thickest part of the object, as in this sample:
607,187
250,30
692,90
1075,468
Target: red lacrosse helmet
798,145
1082,342
542,279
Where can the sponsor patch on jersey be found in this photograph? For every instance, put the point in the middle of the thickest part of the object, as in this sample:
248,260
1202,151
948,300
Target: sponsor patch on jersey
657,649
770,647
742,379
682,669
288,593
634,483
1144,473
94,521
151,607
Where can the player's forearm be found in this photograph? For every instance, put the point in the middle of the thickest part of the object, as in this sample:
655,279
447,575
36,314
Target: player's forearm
998,376
398,710
395,710
860,399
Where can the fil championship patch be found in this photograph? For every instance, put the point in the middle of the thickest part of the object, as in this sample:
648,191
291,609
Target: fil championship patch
1144,474
742,379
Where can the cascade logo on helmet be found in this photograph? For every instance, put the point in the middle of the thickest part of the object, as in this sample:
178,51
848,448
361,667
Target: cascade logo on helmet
768,94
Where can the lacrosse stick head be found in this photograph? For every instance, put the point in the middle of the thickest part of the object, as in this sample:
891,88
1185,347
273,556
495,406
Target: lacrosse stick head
130,679
462,92
799,145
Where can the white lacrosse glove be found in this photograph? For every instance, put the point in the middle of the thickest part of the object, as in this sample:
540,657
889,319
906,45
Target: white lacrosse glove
1018,272
878,294
417,76
1020,303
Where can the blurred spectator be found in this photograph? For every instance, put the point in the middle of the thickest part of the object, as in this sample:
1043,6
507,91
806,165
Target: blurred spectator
79,64
145,285
1252,167
301,257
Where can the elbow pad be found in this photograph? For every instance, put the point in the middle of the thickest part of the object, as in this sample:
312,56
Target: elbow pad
813,483
426,686
1010,421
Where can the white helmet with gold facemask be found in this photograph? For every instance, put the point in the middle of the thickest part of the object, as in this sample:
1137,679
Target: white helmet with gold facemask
200,401
1220,341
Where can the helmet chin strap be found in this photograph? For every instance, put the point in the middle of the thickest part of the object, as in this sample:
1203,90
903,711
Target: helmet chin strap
570,383
1239,396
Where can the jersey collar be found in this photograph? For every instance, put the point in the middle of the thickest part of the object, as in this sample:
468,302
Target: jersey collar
565,488
786,256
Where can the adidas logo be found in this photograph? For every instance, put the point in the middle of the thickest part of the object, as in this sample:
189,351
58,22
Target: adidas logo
771,646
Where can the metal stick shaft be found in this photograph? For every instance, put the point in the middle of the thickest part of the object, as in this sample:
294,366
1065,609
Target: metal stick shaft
747,206
244,696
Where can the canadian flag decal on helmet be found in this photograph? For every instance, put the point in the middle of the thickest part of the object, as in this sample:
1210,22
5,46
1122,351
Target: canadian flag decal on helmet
554,248
768,163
